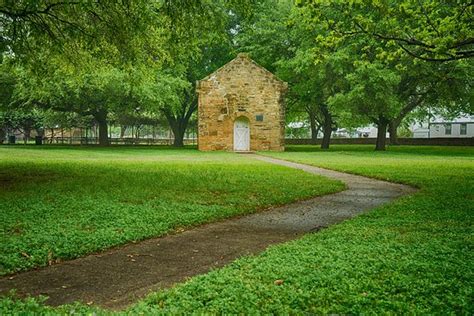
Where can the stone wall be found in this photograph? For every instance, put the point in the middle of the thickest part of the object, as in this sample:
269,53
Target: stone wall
241,88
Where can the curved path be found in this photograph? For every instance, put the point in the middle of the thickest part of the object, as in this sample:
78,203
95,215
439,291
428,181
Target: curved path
118,277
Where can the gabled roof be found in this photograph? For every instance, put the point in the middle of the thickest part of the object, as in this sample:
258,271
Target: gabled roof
247,57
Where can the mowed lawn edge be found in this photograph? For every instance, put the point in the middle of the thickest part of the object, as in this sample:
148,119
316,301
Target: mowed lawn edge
60,204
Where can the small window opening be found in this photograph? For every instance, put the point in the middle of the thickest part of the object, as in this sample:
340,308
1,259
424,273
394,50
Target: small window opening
447,129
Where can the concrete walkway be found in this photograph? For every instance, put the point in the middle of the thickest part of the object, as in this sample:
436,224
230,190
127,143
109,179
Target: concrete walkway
119,277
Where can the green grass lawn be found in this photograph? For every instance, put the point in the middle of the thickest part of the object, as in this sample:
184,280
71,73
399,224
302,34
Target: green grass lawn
60,203
412,256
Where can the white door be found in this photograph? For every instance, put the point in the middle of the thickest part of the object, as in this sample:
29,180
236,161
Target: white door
241,135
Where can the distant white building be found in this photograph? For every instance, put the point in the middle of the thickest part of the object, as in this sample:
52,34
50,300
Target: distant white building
461,127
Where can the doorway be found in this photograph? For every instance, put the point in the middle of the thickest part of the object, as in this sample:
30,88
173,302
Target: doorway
241,134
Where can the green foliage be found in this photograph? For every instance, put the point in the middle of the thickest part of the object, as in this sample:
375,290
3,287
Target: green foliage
62,203
281,39
53,119
411,256
22,121
265,35
117,59
10,305
121,32
367,40
431,30
95,87
371,93
143,58
7,86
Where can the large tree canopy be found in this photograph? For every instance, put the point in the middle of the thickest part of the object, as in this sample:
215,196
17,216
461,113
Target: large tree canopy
430,30
96,58
348,63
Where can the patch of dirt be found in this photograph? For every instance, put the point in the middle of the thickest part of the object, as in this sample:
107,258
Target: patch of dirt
5,182
12,181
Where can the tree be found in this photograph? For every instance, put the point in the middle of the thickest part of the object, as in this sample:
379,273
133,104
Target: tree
68,90
215,47
7,86
382,69
96,89
102,57
178,117
213,55
372,94
429,30
445,87
311,86
19,120
272,43
77,56
133,28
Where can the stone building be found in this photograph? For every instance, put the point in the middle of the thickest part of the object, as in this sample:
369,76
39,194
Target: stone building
241,108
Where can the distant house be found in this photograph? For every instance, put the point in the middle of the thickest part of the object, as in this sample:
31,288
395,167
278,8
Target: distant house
461,127
241,108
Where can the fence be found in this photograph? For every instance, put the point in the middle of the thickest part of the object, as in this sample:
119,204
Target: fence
115,141
441,141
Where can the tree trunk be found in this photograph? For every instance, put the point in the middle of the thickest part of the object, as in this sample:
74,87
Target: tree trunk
314,129
40,132
327,131
381,134
178,136
3,134
395,123
178,127
27,135
179,123
101,118
327,127
392,130
52,136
